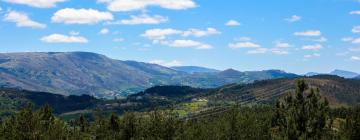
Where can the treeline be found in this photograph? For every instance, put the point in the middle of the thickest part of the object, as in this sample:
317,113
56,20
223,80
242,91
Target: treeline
303,115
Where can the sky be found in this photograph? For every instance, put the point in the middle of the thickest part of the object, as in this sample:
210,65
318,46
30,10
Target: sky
297,36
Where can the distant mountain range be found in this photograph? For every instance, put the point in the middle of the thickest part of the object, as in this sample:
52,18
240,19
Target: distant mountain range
194,69
76,73
341,73
345,74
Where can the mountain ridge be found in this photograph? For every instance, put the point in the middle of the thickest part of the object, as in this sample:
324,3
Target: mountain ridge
77,73
343,73
194,69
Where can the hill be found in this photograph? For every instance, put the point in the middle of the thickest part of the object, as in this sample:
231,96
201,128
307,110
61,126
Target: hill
12,100
339,91
194,69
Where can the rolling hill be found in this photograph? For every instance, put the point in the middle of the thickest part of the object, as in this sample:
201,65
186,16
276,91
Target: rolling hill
77,73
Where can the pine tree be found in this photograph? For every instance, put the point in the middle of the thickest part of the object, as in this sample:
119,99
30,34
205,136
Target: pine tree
303,116
352,126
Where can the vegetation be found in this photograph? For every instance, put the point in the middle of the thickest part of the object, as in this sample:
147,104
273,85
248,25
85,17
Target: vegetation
300,116
12,100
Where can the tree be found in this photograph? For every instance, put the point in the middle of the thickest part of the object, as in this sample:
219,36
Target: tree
303,116
352,125
114,122
129,125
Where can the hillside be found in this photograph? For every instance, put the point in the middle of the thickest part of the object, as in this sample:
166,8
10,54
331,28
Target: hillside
12,100
229,76
339,91
185,99
77,73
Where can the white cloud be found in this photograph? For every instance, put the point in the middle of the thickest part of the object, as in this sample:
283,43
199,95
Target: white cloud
36,3
160,34
312,47
356,29
166,63
243,39
81,16
293,18
279,44
355,58
258,51
311,33
104,31
281,48
59,38
232,23
201,33
134,5
312,55
244,45
22,20
118,39
142,19
355,12
186,44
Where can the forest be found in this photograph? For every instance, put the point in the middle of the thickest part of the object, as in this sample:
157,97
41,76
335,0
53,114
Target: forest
302,115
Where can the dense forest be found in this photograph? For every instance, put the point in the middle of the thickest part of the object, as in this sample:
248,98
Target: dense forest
301,115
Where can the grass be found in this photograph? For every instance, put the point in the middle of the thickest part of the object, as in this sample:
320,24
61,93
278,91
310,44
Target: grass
184,109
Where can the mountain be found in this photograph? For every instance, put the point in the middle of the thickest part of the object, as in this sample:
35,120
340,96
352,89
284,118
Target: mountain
357,77
213,80
77,73
345,74
312,74
194,69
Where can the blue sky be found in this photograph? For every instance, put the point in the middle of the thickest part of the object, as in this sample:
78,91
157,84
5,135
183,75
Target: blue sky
293,35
